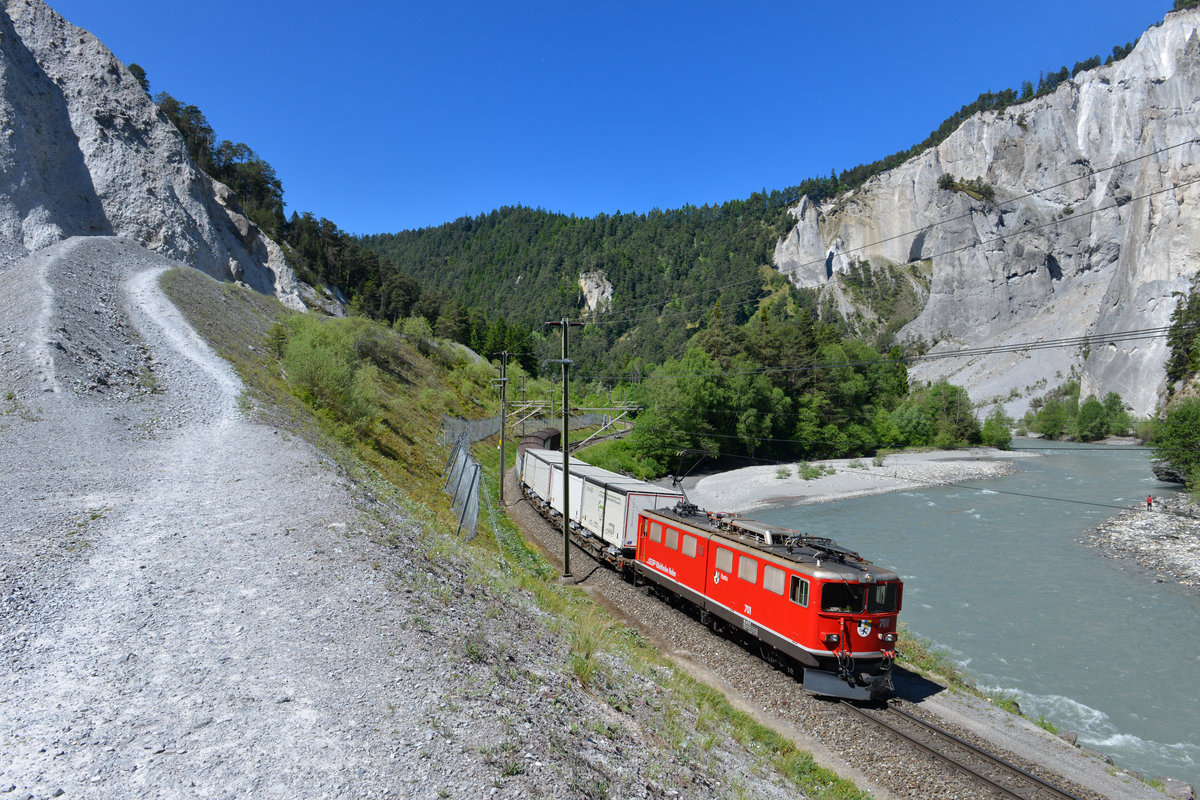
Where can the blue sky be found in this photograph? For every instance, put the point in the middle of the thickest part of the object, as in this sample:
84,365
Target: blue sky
389,116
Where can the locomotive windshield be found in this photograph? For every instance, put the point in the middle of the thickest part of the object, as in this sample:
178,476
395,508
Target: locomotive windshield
883,597
853,597
844,597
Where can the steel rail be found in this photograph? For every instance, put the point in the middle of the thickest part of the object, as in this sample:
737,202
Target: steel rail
1031,784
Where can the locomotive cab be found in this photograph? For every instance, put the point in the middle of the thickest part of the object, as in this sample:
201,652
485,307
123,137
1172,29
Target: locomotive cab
818,607
857,626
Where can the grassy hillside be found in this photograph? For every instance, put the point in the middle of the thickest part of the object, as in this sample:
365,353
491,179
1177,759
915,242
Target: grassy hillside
372,396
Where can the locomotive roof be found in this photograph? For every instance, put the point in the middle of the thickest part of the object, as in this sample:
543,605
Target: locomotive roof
814,555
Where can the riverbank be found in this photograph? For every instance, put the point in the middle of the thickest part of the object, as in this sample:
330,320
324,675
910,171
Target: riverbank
1164,540
750,488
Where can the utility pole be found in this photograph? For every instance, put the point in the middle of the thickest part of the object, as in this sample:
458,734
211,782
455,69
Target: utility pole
566,325
503,381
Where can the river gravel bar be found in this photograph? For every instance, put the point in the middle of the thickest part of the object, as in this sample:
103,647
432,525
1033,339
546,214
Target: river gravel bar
1165,539
751,488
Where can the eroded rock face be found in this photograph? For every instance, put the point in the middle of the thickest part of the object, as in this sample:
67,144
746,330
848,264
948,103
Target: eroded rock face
84,151
1092,230
597,290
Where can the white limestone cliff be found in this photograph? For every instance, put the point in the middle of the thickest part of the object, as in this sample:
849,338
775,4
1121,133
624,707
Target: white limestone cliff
597,291
1093,228
84,151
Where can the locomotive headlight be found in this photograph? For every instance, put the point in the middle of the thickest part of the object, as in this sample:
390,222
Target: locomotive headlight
831,640
888,637
868,578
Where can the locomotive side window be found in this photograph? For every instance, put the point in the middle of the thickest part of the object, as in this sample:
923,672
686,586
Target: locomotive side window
799,591
724,560
747,569
773,579
883,597
656,532
689,546
672,538
843,597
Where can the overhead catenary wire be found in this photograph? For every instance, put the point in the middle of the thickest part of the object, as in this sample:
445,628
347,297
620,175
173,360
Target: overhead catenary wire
611,318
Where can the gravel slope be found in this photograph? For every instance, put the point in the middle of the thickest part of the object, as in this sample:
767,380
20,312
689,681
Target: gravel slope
195,605
177,581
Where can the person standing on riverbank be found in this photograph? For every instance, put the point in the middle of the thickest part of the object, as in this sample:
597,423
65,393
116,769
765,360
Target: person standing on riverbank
1149,503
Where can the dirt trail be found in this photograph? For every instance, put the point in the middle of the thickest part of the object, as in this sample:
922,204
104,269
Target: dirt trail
178,582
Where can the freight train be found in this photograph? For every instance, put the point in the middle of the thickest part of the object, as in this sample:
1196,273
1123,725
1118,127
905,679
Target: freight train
811,607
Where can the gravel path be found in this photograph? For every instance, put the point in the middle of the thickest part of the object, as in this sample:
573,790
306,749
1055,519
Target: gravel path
177,581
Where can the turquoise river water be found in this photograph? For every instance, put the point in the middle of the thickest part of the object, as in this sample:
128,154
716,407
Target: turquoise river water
996,573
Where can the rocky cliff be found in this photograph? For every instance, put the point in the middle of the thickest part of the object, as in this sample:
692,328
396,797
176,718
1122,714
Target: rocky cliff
84,151
1091,230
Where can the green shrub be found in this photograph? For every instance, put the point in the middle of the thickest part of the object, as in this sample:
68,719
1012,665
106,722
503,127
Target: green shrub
1092,422
810,472
997,430
1046,724
322,369
1177,439
1118,418
277,338
416,327
594,631
1055,420
619,455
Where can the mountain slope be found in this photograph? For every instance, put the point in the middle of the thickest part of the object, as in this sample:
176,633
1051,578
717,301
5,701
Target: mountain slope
1090,232
86,152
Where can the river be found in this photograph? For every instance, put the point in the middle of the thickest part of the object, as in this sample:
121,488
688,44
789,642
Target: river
996,573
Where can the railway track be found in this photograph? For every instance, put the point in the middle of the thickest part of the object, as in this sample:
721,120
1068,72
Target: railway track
1001,777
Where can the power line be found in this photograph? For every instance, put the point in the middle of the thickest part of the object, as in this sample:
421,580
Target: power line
944,222
1089,340
1030,228
765,440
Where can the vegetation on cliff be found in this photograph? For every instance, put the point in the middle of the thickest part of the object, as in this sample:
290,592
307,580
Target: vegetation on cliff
1177,436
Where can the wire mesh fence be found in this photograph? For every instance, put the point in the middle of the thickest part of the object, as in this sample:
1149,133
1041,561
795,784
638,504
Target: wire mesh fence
463,474
463,471
453,430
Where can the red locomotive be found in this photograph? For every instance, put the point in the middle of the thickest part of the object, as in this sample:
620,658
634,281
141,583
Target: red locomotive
817,609
813,606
